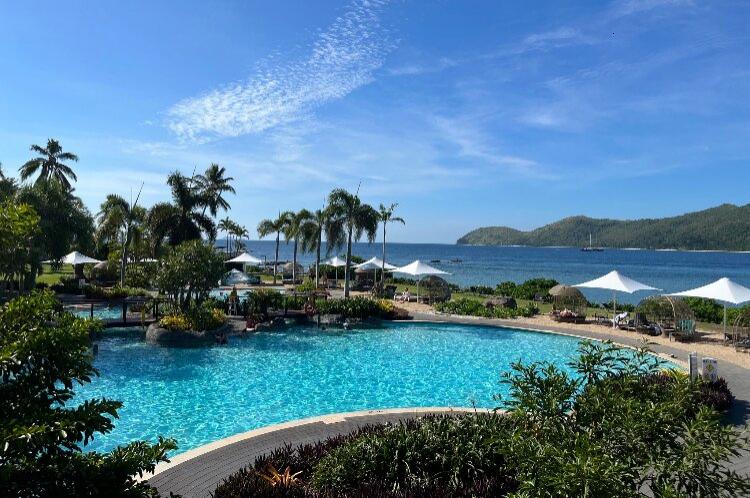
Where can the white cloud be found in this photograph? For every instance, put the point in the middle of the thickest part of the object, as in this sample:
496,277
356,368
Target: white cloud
629,7
555,37
342,58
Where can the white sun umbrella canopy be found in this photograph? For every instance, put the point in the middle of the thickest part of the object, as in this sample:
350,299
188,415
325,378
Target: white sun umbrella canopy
724,290
616,282
336,262
374,264
245,258
76,258
419,270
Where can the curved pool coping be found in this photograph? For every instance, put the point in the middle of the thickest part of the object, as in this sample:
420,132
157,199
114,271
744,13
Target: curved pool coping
198,471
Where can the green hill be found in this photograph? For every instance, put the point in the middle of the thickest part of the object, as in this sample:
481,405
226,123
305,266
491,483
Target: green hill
725,227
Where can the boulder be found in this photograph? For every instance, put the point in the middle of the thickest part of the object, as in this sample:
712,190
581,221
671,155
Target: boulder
184,338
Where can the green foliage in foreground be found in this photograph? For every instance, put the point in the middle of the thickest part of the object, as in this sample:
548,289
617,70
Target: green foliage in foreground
619,428
355,307
473,307
44,353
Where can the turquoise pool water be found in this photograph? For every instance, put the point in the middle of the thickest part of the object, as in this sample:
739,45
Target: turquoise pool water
200,395
100,312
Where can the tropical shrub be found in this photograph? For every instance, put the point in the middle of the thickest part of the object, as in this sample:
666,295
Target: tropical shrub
198,318
354,307
307,286
473,307
44,353
449,456
19,223
534,287
116,292
483,290
609,432
261,300
189,272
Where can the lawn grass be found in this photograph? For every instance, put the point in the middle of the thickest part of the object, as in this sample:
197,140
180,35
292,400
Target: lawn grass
51,277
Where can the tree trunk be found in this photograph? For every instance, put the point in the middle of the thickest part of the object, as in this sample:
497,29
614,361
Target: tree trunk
317,259
382,270
294,263
124,256
348,261
276,258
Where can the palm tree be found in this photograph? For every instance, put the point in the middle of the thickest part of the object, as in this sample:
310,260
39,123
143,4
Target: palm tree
8,186
268,226
238,232
212,185
180,220
293,232
225,226
385,215
311,236
50,163
118,220
355,219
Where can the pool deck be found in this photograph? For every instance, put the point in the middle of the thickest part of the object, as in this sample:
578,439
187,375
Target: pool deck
197,472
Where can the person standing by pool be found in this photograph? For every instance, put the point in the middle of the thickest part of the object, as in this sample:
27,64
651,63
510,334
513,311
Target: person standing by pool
233,298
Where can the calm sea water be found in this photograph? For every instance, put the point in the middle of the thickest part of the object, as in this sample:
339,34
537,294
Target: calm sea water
483,265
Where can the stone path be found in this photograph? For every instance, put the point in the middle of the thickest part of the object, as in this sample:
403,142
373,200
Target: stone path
196,473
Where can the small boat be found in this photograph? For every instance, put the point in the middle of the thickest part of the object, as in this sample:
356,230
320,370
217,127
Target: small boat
457,260
591,247
434,261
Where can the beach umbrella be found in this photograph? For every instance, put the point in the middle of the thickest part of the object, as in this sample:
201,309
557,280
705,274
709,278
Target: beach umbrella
246,259
336,262
419,270
75,258
373,264
616,282
723,290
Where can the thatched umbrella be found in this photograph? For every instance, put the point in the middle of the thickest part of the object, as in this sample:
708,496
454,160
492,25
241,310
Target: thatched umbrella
566,296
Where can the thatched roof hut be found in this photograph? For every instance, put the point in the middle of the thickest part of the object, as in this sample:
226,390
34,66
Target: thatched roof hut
287,269
435,289
565,297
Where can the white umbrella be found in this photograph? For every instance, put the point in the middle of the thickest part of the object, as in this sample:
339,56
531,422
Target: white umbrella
75,258
616,282
419,269
374,264
336,262
723,290
245,258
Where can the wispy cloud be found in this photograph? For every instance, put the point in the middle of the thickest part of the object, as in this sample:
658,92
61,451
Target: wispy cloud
561,36
423,68
342,58
629,7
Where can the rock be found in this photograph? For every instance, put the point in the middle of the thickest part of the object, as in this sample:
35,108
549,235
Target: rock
184,338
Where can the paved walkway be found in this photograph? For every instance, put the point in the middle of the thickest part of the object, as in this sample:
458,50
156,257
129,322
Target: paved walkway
196,473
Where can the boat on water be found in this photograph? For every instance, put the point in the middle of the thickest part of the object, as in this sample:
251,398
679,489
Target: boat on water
590,247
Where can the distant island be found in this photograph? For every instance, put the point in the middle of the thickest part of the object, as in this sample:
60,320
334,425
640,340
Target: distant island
725,227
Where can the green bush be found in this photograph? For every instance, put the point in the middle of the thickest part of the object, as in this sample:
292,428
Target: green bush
354,307
473,307
116,292
44,353
442,453
307,286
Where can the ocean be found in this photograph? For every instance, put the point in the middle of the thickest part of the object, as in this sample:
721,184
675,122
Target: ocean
670,271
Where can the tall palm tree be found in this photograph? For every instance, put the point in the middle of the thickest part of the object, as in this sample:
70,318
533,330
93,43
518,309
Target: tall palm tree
355,219
242,233
8,186
293,232
180,220
120,221
277,226
225,226
50,164
385,215
312,236
213,185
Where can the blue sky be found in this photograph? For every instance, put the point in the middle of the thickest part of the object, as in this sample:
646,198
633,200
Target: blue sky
467,113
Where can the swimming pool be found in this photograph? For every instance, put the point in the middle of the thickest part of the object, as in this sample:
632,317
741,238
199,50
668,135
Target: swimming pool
100,312
200,395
